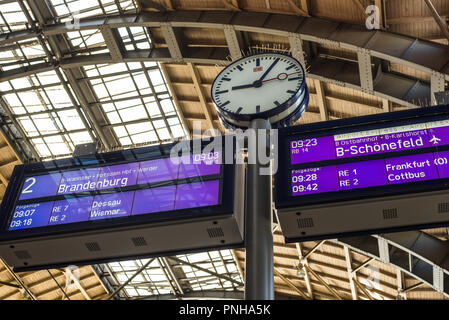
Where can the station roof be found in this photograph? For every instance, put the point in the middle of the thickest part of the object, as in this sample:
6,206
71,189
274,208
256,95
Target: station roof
133,73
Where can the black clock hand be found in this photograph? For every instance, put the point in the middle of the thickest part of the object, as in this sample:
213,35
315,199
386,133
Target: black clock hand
268,70
243,86
257,83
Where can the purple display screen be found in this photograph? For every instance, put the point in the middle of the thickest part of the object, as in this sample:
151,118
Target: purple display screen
79,206
121,204
371,173
362,143
122,175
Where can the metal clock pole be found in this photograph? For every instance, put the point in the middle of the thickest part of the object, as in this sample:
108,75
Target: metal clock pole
259,281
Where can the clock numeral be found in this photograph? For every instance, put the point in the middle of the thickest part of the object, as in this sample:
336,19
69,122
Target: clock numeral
238,110
225,103
220,92
240,68
291,91
276,103
257,62
295,78
226,79
290,67
257,109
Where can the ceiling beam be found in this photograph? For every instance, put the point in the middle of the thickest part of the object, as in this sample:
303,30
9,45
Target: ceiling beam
324,283
364,290
400,281
197,82
439,20
413,20
363,264
365,71
173,275
64,294
290,284
234,6
351,275
360,7
18,280
386,105
322,103
304,261
124,284
184,122
382,14
305,5
220,276
112,42
233,40
437,84
172,41
299,11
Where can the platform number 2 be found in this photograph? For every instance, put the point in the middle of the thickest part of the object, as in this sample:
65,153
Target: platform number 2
27,189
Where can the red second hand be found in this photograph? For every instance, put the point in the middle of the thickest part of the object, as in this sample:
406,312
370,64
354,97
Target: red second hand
278,76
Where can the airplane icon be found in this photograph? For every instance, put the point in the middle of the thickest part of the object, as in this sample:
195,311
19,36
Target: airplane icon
435,140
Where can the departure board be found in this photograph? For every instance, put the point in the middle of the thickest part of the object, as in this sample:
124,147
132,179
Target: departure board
370,173
339,160
368,142
114,191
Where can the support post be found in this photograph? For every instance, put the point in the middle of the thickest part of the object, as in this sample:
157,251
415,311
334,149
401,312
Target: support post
259,281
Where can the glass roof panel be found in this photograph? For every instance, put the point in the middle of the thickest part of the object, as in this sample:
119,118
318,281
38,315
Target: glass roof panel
67,10
137,106
12,17
156,278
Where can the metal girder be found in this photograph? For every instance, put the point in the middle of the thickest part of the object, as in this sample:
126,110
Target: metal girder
172,40
400,281
173,275
441,23
365,71
324,283
221,276
32,154
112,295
113,43
304,261
167,276
415,253
12,285
437,84
196,81
407,51
316,247
25,71
234,41
54,51
290,284
322,103
199,295
342,34
296,47
351,275
18,280
296,8
175,100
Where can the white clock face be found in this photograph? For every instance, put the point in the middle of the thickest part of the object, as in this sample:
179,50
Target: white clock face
257,84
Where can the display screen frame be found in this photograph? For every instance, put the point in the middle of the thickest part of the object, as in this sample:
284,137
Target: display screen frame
283,180
21,172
